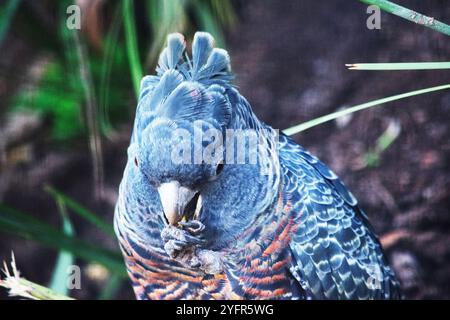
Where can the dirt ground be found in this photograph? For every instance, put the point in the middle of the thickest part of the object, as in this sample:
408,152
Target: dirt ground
289,58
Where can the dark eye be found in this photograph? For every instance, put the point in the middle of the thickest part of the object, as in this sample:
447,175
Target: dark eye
219,168
136,163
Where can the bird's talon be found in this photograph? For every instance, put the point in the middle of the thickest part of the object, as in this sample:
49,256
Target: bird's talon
170,250
193,226
180,243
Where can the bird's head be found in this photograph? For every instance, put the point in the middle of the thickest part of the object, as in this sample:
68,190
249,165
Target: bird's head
177,142
171,155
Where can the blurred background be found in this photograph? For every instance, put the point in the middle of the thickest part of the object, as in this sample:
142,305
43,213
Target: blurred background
67,101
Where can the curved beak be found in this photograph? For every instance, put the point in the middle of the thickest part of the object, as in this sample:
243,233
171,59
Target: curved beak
174,199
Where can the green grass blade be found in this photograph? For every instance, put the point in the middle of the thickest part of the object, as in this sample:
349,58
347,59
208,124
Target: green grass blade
373,156
111,41
410,15
81,211
208,22
6,15
65,259
332,116
17,223
399,66
95,141
132,46
111,287
224,11
165,17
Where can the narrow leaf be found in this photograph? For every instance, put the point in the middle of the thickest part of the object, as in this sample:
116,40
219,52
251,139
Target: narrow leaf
81,211
132,47
410,15
111,287
65,259
18,223
6,15
399,66
312,123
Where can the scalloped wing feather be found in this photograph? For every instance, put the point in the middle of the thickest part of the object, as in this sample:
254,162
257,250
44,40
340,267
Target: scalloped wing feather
336,254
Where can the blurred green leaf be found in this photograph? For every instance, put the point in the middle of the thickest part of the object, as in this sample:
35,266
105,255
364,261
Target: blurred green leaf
18,223
224,11
132,46
111,287
110,55
53,95
7,12
165,17
81,211
208,22
59,93
65,259
372,157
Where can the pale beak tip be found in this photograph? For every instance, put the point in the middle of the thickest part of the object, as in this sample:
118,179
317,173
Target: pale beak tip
173,200
172,219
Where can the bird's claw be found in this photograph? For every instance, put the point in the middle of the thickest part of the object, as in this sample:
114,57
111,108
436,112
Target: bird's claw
184,245
173,233
178,240
210,262
185,256
194,227
173,247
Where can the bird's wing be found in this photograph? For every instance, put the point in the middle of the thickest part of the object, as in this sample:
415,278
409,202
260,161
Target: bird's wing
335,252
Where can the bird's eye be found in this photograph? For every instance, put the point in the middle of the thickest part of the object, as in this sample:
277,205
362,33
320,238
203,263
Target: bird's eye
136,163
219,168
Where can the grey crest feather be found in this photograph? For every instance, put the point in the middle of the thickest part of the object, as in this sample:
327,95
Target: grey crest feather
171,56
189,89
